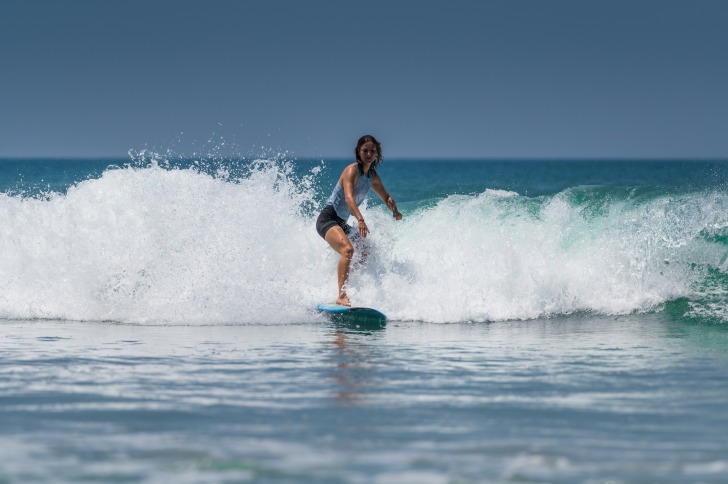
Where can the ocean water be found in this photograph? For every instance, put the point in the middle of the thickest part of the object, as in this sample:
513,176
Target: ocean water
550,321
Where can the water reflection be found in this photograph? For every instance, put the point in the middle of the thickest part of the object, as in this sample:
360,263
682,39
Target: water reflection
353,368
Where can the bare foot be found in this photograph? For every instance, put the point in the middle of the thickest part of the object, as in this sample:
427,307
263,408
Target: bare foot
343,300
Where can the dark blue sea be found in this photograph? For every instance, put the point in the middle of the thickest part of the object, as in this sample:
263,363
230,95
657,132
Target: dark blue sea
559,321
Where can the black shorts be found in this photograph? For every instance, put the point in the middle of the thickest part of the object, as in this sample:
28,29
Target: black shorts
327,219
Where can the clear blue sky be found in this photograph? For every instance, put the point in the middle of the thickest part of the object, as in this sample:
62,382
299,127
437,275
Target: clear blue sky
492,79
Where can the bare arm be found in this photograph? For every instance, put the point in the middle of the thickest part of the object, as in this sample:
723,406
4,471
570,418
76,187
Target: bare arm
348,179
379,189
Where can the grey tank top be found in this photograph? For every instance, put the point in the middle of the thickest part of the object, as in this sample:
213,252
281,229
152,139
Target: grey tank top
361,189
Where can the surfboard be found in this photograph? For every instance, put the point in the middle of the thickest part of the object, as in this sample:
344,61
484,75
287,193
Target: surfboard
352,314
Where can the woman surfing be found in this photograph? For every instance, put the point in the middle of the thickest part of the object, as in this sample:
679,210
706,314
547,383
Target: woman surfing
350,191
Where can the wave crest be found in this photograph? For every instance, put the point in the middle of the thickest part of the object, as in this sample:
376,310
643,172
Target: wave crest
161,245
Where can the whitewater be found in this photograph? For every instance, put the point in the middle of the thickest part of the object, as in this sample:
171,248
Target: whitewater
161,244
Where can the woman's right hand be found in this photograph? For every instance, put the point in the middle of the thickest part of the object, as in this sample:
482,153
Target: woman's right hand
363,229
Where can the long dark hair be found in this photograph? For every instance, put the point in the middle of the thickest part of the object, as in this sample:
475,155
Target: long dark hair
365,139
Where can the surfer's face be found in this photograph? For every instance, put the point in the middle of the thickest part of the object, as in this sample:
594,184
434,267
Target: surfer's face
368,152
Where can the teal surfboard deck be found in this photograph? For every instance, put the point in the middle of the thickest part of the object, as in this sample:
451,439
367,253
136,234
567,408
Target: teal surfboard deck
346,314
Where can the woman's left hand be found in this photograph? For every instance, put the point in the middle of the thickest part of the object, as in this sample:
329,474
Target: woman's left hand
393,207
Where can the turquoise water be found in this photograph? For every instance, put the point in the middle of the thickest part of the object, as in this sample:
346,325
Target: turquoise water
550,321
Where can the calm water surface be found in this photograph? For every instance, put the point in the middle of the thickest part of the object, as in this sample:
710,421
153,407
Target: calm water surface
580,399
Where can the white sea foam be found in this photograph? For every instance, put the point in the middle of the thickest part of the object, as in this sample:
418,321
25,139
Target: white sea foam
157,245
491,257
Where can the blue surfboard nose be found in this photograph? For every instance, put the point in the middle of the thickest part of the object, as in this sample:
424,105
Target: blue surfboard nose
347,313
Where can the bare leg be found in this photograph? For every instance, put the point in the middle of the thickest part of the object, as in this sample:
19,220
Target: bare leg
338,241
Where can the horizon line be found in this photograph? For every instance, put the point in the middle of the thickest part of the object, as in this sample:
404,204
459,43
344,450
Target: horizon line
398,159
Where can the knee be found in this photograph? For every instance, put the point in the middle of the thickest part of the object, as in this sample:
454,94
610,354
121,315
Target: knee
347,251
